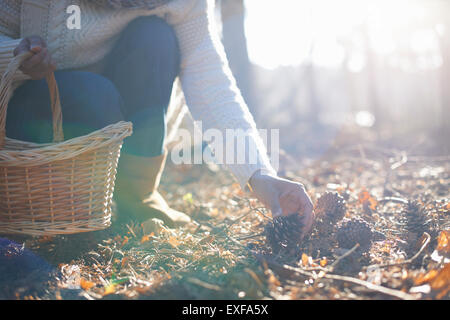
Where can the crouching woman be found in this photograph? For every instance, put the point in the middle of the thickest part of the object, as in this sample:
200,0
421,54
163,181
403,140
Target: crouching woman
121,65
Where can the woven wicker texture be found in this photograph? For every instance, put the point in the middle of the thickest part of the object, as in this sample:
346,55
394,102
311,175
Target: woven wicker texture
62,187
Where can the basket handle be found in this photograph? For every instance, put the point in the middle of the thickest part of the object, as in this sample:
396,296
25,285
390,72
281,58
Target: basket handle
6,93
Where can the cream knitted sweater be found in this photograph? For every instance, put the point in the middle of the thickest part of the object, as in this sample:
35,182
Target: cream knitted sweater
207,83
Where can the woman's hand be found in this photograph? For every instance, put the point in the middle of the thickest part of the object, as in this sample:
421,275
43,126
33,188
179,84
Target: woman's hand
283,197
40,64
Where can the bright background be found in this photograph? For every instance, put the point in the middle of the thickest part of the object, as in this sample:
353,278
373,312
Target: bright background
314,67
283,32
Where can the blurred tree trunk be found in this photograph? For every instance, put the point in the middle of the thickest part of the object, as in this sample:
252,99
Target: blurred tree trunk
374,103
348,78
310,73
235,43
444,126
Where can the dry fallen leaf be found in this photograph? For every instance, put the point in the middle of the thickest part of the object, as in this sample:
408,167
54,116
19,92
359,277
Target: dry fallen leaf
442,279
86,284
439,280
364,197
443,293
125,241
174,242
423,278
147,237
305,260
323,262
443,242
273,280
110,289
124,262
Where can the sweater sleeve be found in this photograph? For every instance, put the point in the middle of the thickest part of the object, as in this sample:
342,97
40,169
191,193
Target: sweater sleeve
211,92
7,46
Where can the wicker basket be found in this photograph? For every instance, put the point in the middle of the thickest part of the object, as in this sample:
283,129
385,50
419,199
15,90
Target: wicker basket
60,187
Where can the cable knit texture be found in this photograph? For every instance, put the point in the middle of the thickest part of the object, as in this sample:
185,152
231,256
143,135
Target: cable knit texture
10,19
133,4
208,85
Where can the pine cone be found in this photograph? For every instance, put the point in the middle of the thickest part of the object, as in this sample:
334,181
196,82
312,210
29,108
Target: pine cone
330,208
284,233
353,231
418,220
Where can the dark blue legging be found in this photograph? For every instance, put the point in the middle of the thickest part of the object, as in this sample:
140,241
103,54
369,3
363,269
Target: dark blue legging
135,86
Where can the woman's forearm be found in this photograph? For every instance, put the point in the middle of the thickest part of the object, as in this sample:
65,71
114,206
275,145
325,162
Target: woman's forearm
210,89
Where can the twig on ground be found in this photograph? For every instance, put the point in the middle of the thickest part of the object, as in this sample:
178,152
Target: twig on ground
393,199
402,161
339,259
374,287
227,226
131,230
249,204
290,271
203,284
242,216
251,236
410,260
262,213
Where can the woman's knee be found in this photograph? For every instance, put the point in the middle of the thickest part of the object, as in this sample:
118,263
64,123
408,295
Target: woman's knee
88,101
144,64
155,38
89,98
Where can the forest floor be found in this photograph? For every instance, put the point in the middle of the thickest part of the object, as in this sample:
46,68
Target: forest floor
224,253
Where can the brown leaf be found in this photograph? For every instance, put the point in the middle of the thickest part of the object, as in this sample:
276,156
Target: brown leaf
124,261
125,241
147,237
443,293
442,279
86,284
273,280
423,278
443,242
110,289
439,280
174,242
365,198
305,260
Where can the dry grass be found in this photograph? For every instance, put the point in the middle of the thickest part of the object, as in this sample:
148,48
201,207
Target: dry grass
224,254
